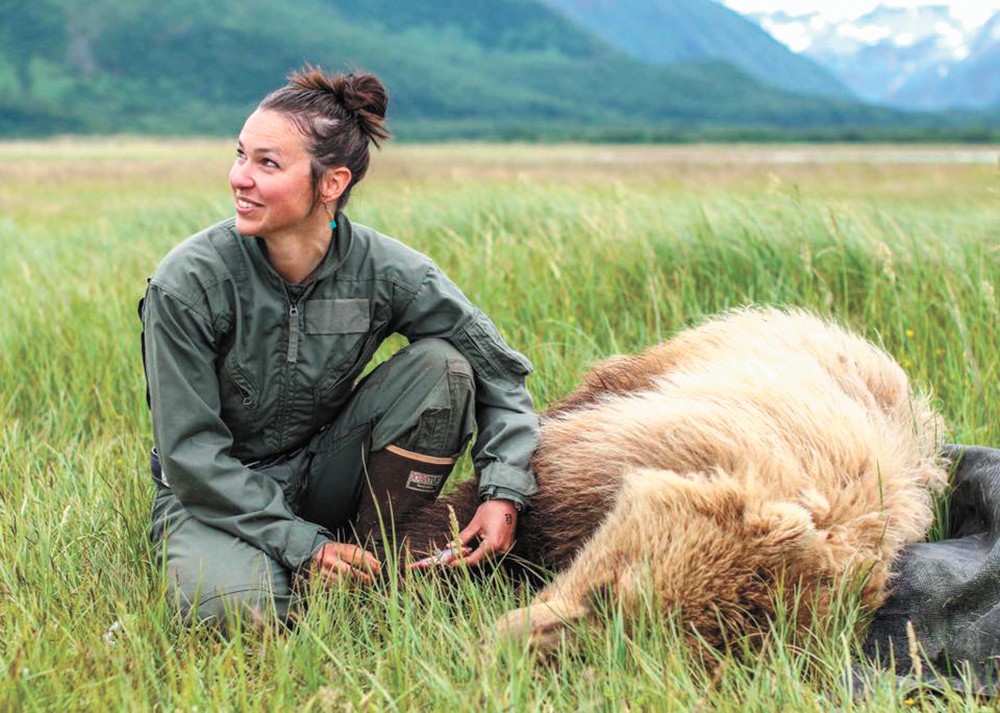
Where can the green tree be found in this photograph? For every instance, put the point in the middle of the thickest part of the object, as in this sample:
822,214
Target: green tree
30,30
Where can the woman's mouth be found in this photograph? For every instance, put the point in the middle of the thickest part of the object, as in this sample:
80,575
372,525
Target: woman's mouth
243,205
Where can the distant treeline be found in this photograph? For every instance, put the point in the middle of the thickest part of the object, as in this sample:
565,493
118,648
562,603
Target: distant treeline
456,69
646,133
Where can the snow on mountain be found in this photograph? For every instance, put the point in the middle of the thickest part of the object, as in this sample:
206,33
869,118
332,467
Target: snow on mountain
671,31
924,57
989,36
973,82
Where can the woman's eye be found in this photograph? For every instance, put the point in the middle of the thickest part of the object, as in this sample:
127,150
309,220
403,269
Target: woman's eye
269,163
240,154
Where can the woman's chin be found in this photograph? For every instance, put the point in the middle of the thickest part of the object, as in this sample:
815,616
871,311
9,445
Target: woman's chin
246,226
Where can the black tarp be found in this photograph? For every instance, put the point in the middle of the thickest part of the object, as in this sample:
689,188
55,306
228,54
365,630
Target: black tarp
945,598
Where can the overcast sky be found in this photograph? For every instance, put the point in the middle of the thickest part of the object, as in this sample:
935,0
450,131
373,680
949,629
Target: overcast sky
972,12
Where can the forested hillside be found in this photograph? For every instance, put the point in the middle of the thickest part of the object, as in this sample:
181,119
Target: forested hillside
473,68
670,31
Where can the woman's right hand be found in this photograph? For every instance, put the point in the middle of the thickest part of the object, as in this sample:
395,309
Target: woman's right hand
338,560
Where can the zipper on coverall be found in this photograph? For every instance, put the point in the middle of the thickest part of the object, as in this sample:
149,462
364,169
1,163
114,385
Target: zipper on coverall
293,333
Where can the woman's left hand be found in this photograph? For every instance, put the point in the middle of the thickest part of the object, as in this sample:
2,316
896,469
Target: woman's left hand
494,525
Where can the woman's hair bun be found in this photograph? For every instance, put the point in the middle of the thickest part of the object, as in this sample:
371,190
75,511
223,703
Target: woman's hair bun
365,96
361,94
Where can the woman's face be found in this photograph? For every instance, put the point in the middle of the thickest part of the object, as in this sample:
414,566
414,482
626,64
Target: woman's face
271,179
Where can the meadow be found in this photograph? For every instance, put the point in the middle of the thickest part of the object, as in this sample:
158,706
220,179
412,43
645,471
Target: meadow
577,252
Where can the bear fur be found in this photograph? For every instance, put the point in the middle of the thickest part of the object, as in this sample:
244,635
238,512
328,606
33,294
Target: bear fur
763,454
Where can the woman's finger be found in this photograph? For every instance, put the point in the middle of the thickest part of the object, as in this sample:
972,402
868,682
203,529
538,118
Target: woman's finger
471,531
360,558
339,570
354,556
477,555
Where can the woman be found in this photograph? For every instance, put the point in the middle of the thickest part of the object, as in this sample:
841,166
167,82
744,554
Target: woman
270,461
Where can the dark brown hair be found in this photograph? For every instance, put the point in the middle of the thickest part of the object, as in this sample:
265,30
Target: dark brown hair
338,114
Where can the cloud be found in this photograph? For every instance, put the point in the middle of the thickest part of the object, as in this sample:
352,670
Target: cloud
972,13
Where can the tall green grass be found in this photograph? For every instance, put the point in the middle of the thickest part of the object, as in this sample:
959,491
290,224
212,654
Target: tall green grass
576,257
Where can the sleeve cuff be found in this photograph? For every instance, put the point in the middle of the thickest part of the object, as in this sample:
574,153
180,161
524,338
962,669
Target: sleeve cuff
499,480
304,544
495,493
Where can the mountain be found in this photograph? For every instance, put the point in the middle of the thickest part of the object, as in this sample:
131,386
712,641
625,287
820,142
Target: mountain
917,58
454,68
973,81
670,31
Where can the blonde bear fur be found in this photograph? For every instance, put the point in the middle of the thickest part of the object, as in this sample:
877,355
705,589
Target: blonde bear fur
765,451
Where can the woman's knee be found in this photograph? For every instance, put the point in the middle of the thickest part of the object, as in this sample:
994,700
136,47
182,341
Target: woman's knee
212,575
445,413
250,603
434,355
438,363
422,399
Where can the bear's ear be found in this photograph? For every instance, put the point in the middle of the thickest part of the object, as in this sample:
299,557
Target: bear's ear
782,525
716,496
691,490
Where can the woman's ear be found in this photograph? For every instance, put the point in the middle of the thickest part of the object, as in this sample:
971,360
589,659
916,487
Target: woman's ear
333,183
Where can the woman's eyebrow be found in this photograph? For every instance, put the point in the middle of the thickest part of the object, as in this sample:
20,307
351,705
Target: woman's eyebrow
259,150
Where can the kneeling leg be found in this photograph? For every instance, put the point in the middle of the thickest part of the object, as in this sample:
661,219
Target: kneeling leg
213,575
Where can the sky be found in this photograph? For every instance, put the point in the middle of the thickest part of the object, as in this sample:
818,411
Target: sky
972,12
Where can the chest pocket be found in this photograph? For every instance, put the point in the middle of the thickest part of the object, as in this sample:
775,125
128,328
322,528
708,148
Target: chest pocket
343,329
337,316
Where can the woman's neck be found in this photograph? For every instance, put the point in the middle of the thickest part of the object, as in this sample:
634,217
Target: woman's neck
296,257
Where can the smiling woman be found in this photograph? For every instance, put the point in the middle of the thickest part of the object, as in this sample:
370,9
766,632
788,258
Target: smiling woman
272,186
271,462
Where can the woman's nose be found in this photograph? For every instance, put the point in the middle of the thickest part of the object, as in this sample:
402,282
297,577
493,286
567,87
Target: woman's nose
239,176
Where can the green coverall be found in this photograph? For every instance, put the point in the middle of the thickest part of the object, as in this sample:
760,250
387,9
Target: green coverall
260,429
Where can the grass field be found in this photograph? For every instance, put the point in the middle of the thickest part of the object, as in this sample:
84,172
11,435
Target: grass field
577,253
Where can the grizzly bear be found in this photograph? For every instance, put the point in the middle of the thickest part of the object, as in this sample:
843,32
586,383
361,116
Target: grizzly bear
761,455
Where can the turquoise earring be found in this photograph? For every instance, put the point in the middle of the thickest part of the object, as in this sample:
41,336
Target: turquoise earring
333,221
